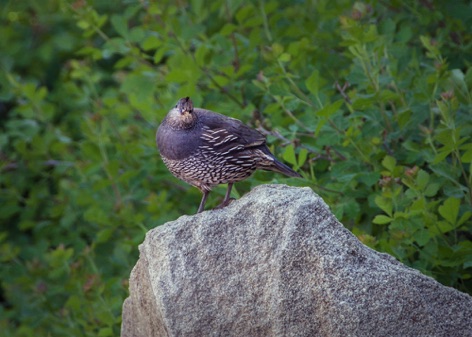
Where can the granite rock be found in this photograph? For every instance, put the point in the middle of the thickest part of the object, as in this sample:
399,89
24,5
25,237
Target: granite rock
278,263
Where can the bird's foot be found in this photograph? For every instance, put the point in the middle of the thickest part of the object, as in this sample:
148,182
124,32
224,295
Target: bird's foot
225,203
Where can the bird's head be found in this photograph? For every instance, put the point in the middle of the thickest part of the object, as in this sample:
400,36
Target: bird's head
184,105
182,116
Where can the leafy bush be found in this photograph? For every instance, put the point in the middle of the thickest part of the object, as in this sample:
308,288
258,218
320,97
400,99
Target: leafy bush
370,101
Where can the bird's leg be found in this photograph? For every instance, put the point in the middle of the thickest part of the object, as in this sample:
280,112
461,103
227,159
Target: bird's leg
227,198
202,203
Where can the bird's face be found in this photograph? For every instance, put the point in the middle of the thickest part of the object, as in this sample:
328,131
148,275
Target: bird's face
182,115
185,106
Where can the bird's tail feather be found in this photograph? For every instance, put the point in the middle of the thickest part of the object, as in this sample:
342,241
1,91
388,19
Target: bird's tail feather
270,163
284,169
279,167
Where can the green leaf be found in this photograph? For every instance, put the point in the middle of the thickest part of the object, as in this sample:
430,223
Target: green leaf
467,156
447,171
120,24
289,155
302,156
159,55
445,137
385,204
450,209
59,256
104,235
312,82
151,42
83,24
389,163
105,332
200,55
9,209
382,219
136,35
431,47
432,189
73,303
388,96
228,29
328,110
466,216
277,49
422,236
458,80
364,102
245,12
422,179
369,178
284,57
90,151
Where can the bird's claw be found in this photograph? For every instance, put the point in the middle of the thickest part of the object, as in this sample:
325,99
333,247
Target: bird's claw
225,203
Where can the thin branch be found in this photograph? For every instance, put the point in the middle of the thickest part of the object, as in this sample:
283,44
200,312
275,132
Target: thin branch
236,62
342,91
301,95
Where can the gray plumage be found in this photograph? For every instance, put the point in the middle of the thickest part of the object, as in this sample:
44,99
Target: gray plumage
205,149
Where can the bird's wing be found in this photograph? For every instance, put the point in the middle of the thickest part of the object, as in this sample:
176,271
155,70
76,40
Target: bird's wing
227,134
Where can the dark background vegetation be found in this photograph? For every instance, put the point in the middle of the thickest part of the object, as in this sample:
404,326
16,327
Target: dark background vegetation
370,101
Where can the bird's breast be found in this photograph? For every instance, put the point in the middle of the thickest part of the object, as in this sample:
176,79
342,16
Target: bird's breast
177,144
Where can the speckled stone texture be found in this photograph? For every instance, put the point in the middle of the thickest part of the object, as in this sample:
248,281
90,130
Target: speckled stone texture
277,263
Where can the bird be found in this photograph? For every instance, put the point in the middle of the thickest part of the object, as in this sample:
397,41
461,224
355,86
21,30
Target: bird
206,149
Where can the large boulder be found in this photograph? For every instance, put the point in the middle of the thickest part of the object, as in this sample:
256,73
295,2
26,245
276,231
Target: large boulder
278,263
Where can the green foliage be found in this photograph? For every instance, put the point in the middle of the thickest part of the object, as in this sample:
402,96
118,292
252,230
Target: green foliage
371,102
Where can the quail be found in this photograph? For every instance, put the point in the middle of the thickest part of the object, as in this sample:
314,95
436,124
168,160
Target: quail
205,149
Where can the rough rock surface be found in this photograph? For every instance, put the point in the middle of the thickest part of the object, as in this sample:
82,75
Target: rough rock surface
278,263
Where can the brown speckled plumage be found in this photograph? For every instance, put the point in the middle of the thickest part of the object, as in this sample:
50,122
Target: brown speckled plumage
205,149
